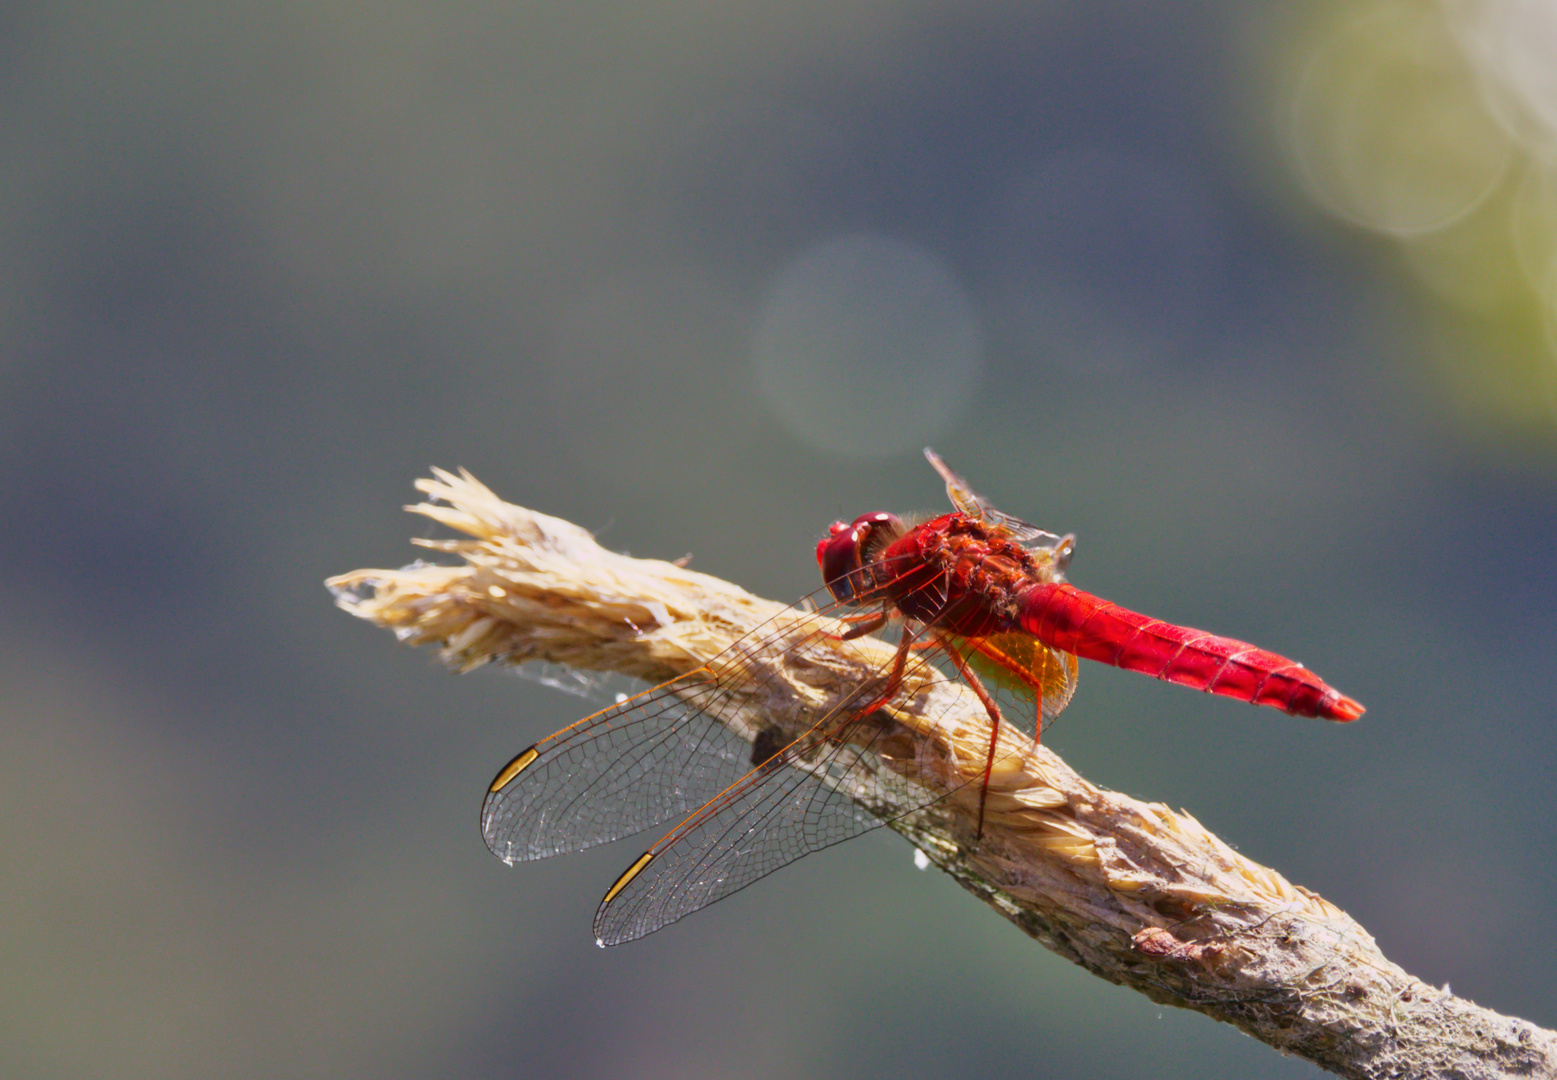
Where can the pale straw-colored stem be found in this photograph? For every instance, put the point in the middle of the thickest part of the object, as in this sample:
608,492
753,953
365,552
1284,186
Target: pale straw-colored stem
1132,891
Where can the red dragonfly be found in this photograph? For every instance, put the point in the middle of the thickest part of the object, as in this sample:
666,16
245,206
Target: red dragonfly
975,595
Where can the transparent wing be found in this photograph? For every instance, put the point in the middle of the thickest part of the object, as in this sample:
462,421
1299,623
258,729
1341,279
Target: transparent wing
652,758
635,765
975,505
1033,682
787,806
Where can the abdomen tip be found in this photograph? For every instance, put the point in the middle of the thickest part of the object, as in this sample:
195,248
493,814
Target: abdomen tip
1344,709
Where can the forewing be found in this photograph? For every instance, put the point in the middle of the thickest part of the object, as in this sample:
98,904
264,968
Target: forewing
653,758
640,763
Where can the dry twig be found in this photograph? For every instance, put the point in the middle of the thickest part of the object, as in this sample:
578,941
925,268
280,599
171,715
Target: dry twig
1131,891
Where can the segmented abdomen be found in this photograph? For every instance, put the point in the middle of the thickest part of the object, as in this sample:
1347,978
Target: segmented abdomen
1067,618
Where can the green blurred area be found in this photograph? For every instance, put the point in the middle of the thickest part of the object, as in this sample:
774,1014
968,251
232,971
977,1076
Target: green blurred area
1434,125
1257,303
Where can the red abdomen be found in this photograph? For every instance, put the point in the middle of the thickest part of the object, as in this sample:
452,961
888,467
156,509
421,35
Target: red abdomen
1067,618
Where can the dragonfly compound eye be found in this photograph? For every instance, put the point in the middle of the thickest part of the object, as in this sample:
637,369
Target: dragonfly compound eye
848,549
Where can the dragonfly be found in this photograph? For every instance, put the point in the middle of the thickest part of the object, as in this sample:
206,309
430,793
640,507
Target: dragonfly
757,773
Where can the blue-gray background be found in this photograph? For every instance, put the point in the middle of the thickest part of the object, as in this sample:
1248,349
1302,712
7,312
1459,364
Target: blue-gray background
704,280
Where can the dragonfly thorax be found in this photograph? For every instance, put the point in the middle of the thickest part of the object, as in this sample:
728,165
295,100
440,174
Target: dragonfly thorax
957,572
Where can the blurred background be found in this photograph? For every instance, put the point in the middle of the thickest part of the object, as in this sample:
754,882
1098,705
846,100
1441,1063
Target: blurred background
1257,299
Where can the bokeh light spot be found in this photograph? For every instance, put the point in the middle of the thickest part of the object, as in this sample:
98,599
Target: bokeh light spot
1512,44
1389,128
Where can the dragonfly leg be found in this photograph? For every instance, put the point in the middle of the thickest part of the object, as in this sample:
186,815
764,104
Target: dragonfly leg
905,645
977,686
866,624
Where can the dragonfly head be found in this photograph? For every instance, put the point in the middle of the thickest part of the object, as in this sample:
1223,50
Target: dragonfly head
846,553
